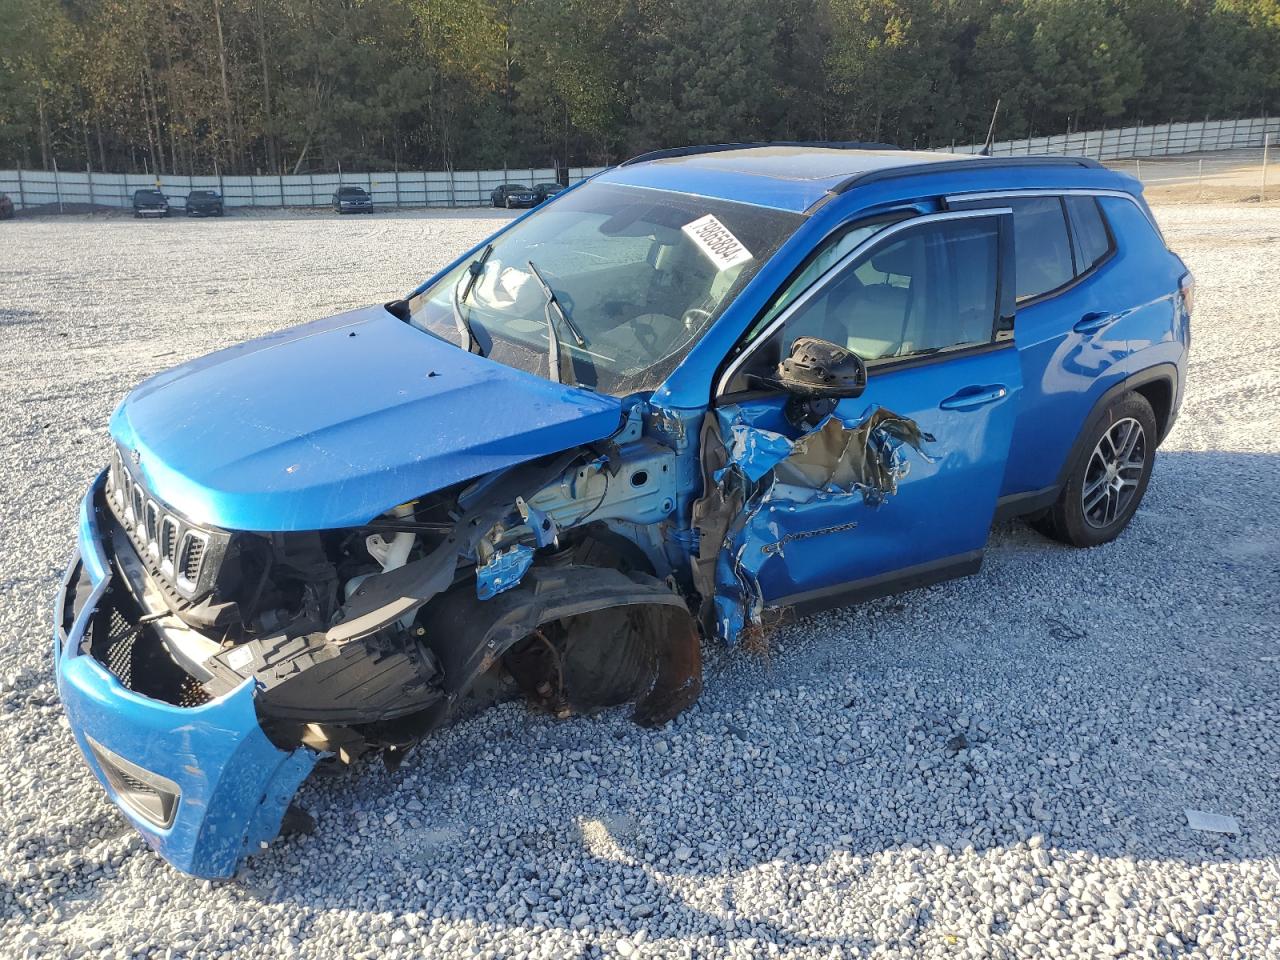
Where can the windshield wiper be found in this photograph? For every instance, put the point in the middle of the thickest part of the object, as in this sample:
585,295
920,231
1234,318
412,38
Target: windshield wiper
474,269
553,336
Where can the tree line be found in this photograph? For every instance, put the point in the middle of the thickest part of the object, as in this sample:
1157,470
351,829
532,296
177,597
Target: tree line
244,86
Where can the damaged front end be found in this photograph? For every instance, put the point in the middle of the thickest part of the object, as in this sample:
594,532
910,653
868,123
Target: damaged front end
205,671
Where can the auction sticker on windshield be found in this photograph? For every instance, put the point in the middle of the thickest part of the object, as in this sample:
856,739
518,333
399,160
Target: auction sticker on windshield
717,242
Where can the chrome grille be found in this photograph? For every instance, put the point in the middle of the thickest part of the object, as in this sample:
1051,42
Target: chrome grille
172,547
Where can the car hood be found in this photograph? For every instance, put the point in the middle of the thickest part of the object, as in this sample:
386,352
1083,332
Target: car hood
332,423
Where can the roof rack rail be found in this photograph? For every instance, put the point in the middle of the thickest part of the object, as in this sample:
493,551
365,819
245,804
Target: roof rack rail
953,166
671,152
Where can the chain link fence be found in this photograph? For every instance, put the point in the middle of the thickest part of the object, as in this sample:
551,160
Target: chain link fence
1248,174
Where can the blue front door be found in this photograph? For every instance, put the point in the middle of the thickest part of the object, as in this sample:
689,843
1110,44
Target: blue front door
898,485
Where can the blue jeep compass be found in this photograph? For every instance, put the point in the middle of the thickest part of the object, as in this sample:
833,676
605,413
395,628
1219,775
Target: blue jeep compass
702,387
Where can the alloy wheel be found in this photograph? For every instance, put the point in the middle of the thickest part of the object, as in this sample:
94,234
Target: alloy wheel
1114,470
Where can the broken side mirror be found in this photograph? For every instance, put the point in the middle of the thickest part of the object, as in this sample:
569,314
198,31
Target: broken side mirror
817,374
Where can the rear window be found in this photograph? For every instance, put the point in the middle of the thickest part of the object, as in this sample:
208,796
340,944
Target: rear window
1093,243
1042,246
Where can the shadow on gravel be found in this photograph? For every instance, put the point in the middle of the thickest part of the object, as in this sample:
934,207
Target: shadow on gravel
1063,704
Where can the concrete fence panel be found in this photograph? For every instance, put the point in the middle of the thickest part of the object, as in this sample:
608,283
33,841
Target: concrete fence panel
1154,140
81,189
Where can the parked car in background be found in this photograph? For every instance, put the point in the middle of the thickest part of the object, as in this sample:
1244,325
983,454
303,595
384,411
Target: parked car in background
6,206
150,203
547,190
709,386
352,200
204,203
511,195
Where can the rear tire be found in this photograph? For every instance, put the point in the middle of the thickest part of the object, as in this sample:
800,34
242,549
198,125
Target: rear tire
1108,476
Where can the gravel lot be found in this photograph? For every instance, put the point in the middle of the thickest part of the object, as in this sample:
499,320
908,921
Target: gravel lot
812,804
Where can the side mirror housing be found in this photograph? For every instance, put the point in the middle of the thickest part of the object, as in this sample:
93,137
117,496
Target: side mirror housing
821,370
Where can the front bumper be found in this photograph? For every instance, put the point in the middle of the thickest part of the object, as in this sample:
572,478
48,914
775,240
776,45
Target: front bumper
202,784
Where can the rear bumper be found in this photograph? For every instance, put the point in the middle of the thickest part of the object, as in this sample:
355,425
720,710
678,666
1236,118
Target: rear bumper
203,785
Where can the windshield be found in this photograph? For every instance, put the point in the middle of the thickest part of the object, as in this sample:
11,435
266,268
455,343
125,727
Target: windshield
148,195
641,274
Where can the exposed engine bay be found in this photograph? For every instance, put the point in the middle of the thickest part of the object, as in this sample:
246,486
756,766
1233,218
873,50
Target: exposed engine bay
569,580
532,581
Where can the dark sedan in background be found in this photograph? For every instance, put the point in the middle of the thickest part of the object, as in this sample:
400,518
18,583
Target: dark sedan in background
6,207
204,203
150,203
352,200
546,191
511,195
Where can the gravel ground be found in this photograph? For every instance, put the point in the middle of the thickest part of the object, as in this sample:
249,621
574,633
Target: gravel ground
817,802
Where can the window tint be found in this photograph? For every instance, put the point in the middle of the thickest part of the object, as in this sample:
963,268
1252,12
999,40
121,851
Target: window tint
1092,241
822,261
1043,251
927,289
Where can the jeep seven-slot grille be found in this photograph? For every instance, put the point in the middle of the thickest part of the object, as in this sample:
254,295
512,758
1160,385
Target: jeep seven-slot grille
174,548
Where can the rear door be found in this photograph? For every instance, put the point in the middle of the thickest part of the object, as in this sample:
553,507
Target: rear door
1073,331
896,487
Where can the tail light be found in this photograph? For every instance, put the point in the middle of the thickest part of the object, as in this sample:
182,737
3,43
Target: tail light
1187,289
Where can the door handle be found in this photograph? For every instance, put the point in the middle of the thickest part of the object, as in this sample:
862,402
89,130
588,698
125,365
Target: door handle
1093,322
975,396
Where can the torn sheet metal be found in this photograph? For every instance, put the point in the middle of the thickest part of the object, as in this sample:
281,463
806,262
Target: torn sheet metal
867,457
754,450
756,474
